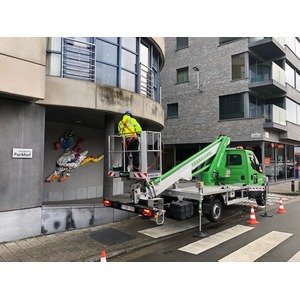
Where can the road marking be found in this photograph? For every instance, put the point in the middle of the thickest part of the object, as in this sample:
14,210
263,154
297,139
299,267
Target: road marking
215,240
295,258
257,248
170,227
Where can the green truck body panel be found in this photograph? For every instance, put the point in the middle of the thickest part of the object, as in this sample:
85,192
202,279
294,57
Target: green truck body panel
226,166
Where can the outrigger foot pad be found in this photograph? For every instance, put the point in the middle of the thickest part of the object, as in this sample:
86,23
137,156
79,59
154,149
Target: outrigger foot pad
200,235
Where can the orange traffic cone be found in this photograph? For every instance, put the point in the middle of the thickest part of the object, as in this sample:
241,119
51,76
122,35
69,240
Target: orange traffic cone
281,209
103,256
252,219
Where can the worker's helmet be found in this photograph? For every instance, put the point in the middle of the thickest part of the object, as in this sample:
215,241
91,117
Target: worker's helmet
128,113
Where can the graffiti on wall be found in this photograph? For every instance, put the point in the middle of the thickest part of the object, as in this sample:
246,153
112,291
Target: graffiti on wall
72,158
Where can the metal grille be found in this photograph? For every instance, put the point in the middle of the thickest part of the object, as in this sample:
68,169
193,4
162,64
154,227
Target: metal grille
147,80
78,59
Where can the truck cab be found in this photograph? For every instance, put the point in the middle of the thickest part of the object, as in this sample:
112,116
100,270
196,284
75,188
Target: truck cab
241,166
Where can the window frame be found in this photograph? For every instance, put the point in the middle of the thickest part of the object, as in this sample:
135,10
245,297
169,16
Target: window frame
235,67
231,98
182,43
184,69
175,106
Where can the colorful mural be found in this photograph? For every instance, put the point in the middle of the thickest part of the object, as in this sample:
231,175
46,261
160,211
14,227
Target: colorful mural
72,158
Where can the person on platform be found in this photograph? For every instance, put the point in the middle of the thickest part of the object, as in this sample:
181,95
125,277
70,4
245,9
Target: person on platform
130,129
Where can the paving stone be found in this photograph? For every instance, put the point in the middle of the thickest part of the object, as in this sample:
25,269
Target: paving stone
9,257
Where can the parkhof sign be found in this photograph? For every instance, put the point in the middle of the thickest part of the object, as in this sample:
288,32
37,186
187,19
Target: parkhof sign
21,153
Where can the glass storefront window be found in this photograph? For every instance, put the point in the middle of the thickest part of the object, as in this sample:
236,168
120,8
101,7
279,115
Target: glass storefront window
280,163
270,161
290,165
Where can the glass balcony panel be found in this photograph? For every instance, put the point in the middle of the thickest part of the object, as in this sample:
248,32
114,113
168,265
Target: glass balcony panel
267,71
275,114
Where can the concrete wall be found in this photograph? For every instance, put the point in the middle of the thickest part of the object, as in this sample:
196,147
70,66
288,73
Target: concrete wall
20,224
22,126
76,93
22,67
62,218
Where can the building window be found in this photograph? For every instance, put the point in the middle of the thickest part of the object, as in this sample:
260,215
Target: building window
128,64
291,111
78,58
116,61
232,106
297,81
256,107
182,75
290,75
54,56
172,110
182,42
238,66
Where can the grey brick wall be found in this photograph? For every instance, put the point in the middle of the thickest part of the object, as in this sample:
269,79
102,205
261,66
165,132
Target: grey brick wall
198,120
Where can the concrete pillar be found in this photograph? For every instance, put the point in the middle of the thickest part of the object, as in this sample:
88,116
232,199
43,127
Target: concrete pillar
108,181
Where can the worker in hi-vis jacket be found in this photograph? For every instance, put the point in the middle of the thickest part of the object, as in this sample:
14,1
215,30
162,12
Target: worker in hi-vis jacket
129,128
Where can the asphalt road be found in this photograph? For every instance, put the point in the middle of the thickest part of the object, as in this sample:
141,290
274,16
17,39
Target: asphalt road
273,239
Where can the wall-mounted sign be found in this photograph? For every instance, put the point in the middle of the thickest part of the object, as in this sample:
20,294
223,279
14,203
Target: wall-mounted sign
255,135
21,153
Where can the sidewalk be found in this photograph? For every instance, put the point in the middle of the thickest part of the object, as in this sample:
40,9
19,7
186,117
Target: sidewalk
86,244
283,188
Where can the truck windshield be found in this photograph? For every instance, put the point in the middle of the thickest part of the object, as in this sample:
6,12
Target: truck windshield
254,162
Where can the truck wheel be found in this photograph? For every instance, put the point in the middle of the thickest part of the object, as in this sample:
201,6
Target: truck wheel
215,211
261,201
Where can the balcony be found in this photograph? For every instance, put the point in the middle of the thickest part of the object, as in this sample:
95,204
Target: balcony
267,80
267,48
275,118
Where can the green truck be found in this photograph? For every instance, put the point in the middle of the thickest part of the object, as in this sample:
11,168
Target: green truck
211,179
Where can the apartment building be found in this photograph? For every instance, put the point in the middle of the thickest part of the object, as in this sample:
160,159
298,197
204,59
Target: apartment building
245,87
60,98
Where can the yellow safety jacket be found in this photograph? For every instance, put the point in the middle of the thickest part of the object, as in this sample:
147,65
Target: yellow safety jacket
129,126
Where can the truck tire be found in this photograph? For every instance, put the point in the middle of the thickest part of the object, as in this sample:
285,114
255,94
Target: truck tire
215,211
261,201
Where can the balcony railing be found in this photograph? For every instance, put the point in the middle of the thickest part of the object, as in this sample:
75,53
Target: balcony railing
78,59
275,114
78,62
147,80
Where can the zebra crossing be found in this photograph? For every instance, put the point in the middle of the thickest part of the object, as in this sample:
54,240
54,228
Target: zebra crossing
250,252
257,248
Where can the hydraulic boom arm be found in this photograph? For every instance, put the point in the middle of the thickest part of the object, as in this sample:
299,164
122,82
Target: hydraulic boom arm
184,170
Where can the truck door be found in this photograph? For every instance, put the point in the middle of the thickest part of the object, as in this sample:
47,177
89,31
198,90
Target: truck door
255,168
234,162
